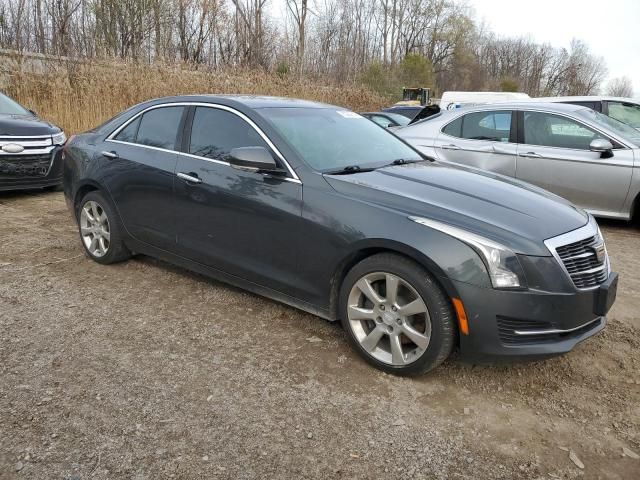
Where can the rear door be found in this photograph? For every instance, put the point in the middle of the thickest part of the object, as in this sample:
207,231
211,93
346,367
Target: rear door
243,223
139,173
555,155
484,140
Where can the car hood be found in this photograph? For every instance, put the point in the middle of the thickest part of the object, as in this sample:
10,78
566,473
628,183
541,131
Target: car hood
24,125
516,214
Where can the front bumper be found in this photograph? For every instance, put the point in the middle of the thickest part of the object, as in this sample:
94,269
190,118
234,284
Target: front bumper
12,178
530,324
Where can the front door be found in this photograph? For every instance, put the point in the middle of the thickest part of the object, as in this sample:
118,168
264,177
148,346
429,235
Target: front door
555,155
141,181
481,140
242,223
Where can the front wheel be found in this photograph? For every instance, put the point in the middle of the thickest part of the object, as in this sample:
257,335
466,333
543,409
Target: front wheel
397,316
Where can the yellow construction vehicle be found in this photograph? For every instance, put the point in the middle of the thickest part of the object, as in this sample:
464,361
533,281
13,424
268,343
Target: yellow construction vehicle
415,96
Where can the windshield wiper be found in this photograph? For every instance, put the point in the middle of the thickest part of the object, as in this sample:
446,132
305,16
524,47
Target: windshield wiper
349,169
403,161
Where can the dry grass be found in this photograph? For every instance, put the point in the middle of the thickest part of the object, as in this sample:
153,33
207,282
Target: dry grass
79,97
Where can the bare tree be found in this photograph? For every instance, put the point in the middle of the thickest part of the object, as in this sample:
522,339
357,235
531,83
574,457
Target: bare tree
620,87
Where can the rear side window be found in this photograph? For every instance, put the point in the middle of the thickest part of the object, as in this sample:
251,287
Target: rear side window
454,128
550,130
128,133
156,128
491,126
216,132
159,127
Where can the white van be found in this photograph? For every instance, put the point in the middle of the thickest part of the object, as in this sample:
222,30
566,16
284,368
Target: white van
451,100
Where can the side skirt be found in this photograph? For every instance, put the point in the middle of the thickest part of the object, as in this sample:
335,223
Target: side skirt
145,249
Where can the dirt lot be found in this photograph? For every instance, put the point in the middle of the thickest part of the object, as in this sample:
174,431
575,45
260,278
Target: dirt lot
142,370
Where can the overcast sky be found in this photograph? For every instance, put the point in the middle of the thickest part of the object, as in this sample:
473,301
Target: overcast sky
611,28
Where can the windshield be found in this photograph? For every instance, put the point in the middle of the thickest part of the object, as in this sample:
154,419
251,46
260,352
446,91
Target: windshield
10,107
330,139
617,127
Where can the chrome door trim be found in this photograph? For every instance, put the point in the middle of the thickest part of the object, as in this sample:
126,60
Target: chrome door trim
110,138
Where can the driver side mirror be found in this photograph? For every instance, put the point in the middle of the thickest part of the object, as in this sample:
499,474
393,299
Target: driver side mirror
252,159
604,147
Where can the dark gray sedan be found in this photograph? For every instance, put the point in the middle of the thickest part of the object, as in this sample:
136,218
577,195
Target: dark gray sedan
319,208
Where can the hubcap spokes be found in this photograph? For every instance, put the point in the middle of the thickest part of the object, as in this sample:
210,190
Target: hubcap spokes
389,318
94,228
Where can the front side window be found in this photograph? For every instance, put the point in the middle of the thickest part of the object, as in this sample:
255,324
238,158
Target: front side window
628,113
216,132
550,130
329,139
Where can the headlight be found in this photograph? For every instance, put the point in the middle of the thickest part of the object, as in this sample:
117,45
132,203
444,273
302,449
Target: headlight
502,263
59,138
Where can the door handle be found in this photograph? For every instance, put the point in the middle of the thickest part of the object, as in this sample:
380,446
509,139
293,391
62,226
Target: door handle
189,177
451,146
530,155
110,154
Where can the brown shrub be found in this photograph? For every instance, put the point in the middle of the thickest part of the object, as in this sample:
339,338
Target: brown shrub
80,96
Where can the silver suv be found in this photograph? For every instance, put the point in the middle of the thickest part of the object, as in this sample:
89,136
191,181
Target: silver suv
580,154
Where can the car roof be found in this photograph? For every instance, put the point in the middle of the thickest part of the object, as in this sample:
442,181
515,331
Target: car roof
556,107
250,101
585,98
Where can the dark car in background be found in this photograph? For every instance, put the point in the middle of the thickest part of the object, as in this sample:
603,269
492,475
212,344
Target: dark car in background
315,206
29,149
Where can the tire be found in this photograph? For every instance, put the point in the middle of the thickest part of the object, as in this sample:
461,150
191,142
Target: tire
395,334
98,220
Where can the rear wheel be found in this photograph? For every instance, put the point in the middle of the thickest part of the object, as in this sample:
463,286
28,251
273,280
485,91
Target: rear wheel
397,316
100,230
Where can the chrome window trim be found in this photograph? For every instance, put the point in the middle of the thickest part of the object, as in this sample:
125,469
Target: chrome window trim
591,229
110,138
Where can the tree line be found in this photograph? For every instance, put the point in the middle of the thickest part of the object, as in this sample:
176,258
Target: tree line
383,43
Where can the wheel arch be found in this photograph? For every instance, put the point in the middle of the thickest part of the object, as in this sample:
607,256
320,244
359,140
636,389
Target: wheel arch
369,247
86,187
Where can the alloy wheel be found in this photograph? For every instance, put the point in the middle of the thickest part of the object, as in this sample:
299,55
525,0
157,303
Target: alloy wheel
94,229
389,318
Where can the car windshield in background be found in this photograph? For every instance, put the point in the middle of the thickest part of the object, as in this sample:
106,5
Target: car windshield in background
622,129
330,140
399,119
9,107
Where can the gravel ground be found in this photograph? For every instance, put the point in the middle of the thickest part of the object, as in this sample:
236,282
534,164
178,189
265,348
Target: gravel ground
143,370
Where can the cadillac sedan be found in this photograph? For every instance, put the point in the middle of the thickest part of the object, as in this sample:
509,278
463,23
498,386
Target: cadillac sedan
317,207
584,156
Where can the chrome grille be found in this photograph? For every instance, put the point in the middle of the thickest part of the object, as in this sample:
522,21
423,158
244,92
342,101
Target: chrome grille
581,261
20,166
